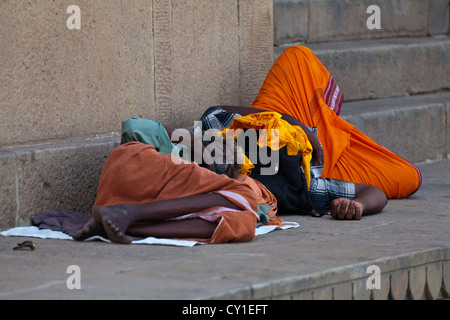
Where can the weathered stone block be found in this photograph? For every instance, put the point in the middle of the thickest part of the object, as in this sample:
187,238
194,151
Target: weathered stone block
438,17
205,57
446,273
291,21
434,280
383,68
61,177
447,133
8,189
399,284
165,60
323,293
59,83
360,290
417,280
402,124
261,290
342,291
383,292
324,20
256,46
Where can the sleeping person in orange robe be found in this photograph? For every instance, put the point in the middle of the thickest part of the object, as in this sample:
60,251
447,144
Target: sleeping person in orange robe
300,88
145,193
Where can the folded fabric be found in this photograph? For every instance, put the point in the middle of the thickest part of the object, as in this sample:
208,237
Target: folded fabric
298,84
267,203
147,131
153,133
277,133
67,222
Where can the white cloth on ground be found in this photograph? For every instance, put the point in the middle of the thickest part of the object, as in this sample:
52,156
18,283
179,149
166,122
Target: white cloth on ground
35,232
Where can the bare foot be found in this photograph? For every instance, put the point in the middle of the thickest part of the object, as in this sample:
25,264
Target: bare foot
90,229
114,222
342,208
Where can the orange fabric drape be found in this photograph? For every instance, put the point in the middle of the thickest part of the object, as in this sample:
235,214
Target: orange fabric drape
137,173
263,196
299,85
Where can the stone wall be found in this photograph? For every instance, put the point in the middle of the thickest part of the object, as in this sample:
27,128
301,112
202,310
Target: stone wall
167,60
64,92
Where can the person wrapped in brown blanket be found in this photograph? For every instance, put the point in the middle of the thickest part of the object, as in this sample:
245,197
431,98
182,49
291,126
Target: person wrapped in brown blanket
143,192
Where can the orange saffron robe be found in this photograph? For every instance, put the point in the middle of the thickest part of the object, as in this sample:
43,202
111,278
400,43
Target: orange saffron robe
299,85
136,173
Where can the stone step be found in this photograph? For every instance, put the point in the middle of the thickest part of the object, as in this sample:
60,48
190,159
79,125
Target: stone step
372,69
414,276
64,175
329,20
416,128
401,253
54,176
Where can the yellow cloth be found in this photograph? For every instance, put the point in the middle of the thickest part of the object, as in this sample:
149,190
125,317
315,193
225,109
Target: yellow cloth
284,134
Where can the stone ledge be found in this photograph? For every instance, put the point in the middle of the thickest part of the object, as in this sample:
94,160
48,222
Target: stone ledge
422,275
56,176
411,234
325,20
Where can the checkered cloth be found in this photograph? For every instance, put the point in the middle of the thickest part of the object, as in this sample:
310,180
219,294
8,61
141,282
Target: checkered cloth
217,118
322,191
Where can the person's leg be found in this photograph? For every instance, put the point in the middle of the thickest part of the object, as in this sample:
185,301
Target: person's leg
193,228
90,229
189,228
118,218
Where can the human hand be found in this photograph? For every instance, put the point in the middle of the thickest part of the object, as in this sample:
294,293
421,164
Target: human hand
342,208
